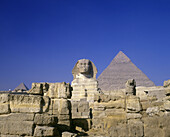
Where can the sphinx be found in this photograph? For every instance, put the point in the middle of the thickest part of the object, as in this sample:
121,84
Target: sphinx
84,82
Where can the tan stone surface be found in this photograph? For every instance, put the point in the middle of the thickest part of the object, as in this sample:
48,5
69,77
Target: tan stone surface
25,103
133,104
4,104
59,90
37,89
41,131
17,117
84,83
45,119
16,127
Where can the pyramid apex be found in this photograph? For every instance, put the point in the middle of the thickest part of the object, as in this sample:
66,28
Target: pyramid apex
121,58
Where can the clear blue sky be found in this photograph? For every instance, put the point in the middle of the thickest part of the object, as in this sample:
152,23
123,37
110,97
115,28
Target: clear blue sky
41,40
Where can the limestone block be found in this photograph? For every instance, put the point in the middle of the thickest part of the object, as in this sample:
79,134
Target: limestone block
64,107
59,90
151,111
130,87
64,90
45,103
64,117
167,98
4,104
17,127
167,105
25,103
120,130
17,117
68,134
145,104
115,112
65,123
41,131
118,104
61,106
114,120
99,114
76,114
133,116
156,126
167,91
37,89
135,128
133,104
45,119
83,106
167,83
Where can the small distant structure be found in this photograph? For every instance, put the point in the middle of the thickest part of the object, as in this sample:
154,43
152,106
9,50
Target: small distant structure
21,88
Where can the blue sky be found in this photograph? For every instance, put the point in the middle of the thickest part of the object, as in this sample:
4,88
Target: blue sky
41,40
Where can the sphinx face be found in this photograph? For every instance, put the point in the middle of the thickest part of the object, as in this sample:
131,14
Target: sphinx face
84,66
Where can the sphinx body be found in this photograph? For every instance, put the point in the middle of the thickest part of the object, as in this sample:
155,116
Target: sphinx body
84,83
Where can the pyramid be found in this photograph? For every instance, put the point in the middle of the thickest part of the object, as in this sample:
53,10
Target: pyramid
119,71
22,87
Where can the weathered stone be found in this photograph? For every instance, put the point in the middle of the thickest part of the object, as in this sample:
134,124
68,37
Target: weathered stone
104,98
135,128
65,123
133,104
59,90
17,127
41,131
25,103
37,89
83,106
130,87
45,104
167,91
115,112
120,130
99,114
4,104
167,83
167,105
68,134
84,83
64,107
111,104
45,119
152,111
17,117
133,116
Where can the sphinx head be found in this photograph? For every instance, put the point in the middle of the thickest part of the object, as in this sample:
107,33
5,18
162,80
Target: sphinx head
84,66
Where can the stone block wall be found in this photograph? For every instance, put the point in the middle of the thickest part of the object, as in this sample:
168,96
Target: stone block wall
47,110
35,114
128,115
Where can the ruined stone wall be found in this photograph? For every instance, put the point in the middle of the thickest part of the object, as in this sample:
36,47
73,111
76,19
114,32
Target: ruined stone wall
35,114
48,110
129,115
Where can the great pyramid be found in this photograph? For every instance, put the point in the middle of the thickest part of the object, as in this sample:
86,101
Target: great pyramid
119,71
